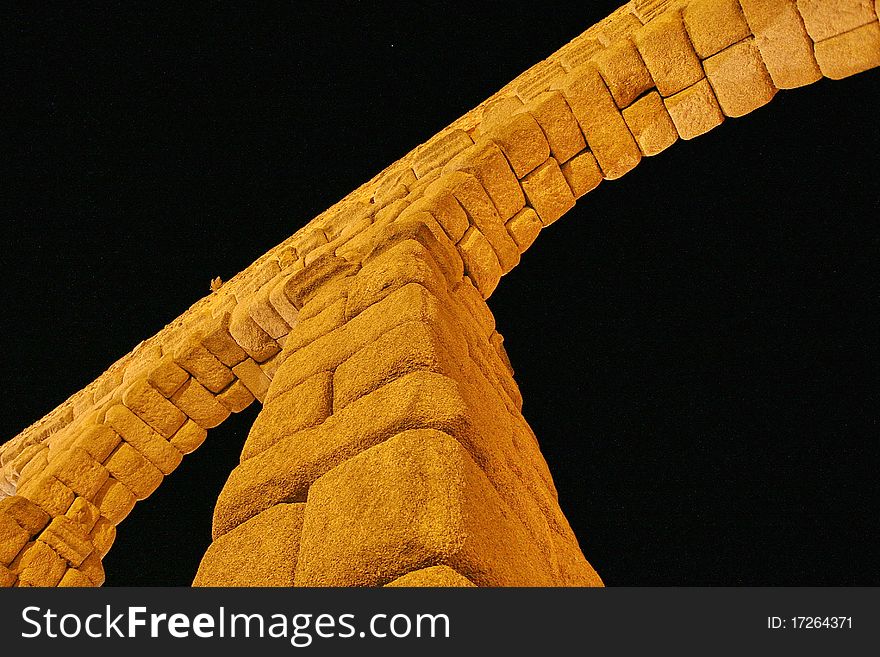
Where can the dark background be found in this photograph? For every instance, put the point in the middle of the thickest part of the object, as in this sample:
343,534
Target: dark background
696,344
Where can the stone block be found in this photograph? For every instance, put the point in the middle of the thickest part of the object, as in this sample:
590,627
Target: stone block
68,539
255,342
139,435
524,227
192,356
102,536
217,339
7,577
595,110
650,124
785,46
304,406
83,513
260,552
284,472
99,440
415,501
167,376
250,374
28,515
236,397
48,493
556,119
263,312
38,565
154,409
74,578
667,52
439,150
695,110
12,538
582,173
714,25
739,79
115,501
282,304
92,568
828,18
485,161
624,72
136,473
200,405
305,284
432,576
850,53
548,192
426,231
480,261
523,142
189,437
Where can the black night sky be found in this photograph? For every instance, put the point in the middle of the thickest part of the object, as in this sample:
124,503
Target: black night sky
697,343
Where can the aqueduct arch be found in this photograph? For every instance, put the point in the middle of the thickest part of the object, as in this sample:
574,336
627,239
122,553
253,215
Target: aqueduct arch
390,449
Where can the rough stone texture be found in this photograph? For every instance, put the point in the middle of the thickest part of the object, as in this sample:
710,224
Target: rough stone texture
624,72
603,126
650,124
713,25
850,53
828,18
559,125
694,111
739,79
416,501
668,53
582,173
393,424
785,46
548,192
432,576
261,552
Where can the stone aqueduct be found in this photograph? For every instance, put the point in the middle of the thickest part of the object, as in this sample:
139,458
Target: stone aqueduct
391,449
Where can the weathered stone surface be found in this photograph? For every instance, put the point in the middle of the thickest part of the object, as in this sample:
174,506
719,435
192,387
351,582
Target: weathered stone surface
236,397
559,125
694,111
650,124
154,409
524,228
523,142
433,576
250,374
115,501
167,376
200,405
415,501
439,151
102,536
607,135
624,72
217,339
485,161
38,565
582,173
548,192
667,52
128,466
256,343
78,471
260,552
739,79
301,407
92,568
136,433
850,53
7,577
424,229
263,312
480,261
713,25
74,578
785,46
12,538
282,304
440,203
284,472
303,285
202,364
27,514
83,513
68,539
828,18
189,437
48,493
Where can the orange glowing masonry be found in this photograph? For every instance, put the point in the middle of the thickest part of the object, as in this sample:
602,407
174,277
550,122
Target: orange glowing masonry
391,449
